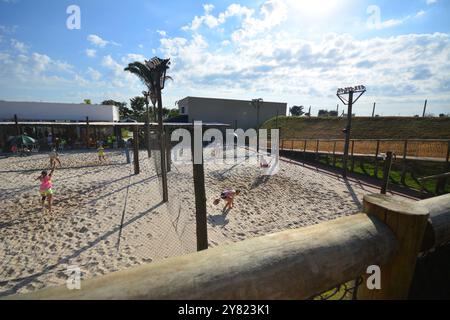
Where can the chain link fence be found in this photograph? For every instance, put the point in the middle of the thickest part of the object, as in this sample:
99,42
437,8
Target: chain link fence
105,217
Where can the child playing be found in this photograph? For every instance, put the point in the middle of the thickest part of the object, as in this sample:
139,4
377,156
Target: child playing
228,195
45,189
101,154
54,158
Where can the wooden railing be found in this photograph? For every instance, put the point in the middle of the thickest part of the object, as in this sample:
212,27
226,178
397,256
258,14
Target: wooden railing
294,264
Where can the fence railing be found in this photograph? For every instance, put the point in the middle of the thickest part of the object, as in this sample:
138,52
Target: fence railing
414,158
434,150
295,264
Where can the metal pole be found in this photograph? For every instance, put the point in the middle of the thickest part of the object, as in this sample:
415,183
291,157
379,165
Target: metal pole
424,108
375,171
147,129
405,152
373,111
347,134
168,151
386,172
334,154
257,125
200,201
353,156
162,144
136,150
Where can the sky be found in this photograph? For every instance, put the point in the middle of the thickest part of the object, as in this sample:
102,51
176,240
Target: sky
294,51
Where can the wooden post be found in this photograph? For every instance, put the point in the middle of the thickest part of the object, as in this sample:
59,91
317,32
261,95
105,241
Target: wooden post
168,151
200,199
386,172
292,145
353,157
95,135
408,222
16,121
87,133
376,159
448,156
136,150
317,150
405,152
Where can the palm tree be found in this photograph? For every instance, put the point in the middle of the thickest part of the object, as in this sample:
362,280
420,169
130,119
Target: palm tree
153,74
144,73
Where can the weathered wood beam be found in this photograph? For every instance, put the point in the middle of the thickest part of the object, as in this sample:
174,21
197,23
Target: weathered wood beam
294,264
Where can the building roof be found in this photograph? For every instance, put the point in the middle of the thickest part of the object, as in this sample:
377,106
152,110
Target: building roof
226,99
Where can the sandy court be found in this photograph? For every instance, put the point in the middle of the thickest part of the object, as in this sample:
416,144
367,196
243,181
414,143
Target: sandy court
94,204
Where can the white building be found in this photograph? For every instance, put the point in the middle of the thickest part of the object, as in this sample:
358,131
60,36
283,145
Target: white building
236,113
45,111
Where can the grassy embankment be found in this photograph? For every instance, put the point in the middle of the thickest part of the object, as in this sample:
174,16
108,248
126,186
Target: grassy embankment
399,128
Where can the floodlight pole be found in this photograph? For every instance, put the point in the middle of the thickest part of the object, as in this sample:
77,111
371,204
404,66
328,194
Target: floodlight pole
347,134
350,91
425,108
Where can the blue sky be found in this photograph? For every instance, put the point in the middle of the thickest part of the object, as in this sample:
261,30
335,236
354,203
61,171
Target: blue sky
294,51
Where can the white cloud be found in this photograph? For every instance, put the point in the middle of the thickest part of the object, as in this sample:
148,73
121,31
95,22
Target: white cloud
162,33
41,62
99,42
91,53
421,13
131,57
430,2
20,46
214,21
94,74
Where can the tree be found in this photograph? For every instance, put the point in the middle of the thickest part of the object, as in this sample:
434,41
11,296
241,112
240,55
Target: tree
326,113
87,101
137,105
297,111
124,112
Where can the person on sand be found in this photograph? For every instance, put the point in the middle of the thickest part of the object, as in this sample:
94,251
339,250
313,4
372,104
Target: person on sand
45,189
101,153
264,164
228,196
54,158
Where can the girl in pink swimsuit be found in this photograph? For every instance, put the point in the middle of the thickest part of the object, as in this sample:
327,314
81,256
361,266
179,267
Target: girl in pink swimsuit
228,196
45,189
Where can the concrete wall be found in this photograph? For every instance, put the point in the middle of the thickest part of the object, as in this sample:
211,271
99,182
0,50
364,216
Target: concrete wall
230,111
37,111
